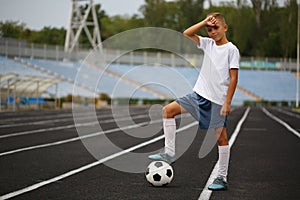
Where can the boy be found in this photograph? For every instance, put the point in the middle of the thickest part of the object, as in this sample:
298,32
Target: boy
210,102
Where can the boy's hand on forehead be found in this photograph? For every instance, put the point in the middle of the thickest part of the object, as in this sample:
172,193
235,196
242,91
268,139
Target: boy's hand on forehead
211,21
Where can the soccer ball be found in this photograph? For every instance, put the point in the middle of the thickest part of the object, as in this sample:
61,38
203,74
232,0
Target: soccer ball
159,173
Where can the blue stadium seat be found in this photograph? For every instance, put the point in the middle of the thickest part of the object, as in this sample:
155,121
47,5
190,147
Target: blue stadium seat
149,82
90,77
270,85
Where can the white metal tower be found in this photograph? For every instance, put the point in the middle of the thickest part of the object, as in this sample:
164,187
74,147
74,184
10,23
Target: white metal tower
80,11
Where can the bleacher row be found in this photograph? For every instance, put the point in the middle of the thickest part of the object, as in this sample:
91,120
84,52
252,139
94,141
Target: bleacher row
125,81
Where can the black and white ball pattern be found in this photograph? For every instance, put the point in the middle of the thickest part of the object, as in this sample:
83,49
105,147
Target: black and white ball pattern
159,173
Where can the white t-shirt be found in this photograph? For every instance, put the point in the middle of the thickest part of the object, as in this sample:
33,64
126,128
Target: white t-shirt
214,78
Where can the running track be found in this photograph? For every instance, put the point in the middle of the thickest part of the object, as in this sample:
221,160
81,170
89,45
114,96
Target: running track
41,157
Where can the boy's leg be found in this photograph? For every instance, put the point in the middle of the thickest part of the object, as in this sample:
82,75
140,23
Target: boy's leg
169,126
224,151
172,109
220,182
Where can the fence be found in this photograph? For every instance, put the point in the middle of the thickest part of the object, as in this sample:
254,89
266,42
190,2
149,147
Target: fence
18,48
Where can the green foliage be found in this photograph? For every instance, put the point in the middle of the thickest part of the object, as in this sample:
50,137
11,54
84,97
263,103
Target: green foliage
48,35
257,27
176,15
11,29
190,12
287,29
117,24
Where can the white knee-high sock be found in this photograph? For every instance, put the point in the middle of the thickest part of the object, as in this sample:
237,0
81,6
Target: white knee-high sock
169,126
224,154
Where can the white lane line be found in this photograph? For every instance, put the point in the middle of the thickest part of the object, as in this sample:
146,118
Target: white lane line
286,125
56,116
83,168
292,114
57,119
37,131
76,138
85,136
69,126
40,122
15,119
206,193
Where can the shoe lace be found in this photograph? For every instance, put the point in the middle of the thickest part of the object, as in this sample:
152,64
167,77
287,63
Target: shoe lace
219,180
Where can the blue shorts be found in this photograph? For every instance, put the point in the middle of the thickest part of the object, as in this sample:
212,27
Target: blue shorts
204,111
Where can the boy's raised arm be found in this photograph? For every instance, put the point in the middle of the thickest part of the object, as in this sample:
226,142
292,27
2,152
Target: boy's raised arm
191,31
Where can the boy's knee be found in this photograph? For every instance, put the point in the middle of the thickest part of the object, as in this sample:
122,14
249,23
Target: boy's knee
167,112
221,136
222,140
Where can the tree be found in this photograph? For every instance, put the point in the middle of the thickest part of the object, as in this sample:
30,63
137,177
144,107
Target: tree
176,15
48,35
11,29
244,29
259,28
154,12
288,29
261,5
190,12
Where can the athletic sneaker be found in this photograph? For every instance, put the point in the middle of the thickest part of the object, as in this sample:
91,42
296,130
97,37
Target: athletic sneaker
218,184
164,157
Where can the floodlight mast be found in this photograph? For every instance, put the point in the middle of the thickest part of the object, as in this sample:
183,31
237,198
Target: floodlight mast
78,23
298,59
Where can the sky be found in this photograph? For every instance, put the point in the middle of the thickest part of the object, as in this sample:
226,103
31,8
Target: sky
37,14
55,13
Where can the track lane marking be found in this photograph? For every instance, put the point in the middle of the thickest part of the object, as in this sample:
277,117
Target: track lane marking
283,123
206,193
82,137
40,122
68,126
77,138
292,114
44,117
56,119
85,167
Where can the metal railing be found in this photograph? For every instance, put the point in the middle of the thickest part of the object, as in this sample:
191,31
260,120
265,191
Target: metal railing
19,48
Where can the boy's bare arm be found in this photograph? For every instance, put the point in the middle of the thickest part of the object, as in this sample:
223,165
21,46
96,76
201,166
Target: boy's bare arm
191,32
230,92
